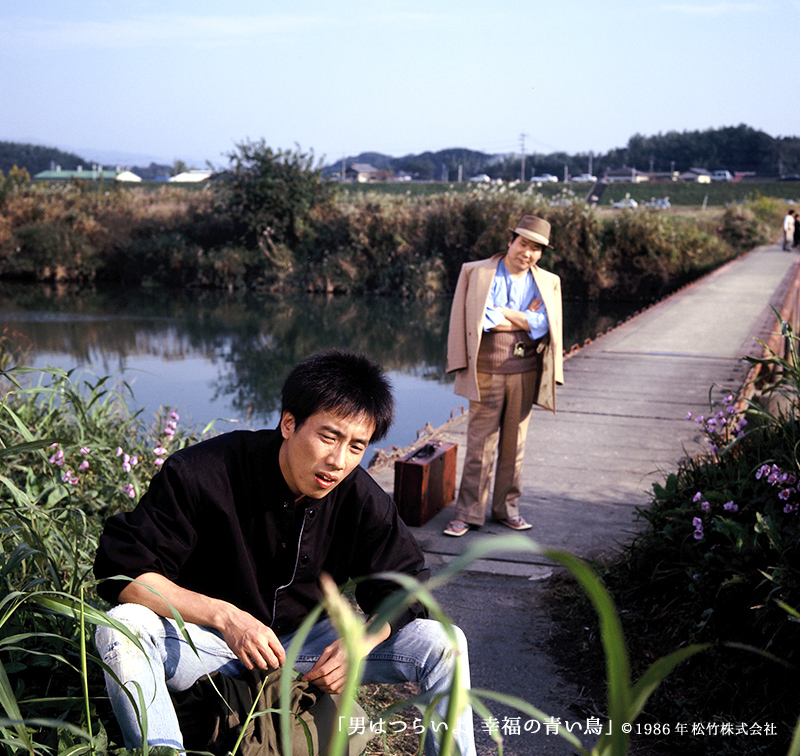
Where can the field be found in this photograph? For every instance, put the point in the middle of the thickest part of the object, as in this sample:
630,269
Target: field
713,195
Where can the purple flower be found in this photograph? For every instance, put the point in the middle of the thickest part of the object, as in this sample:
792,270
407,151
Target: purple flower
729,506
789,508
697,497
85,450
698,534
159,461
705,506
785,494
159,451
128,489
688,415
174,415
84,465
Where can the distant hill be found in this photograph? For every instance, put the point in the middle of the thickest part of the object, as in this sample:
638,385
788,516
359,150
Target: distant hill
441,166
35,158
732,148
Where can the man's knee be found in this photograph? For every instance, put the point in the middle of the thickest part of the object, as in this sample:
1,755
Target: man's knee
142,625
446,643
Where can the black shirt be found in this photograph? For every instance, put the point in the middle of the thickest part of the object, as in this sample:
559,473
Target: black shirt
219,519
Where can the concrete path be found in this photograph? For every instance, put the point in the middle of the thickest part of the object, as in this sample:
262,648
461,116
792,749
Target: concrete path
621,425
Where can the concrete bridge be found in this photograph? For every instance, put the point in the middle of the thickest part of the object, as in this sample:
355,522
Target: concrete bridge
621,421
621,425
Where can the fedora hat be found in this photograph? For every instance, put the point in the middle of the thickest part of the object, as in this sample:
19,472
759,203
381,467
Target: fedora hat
533,228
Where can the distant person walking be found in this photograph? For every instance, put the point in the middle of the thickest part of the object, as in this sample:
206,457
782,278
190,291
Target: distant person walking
788,230
504,344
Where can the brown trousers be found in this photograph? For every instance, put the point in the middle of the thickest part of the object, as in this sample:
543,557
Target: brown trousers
499,422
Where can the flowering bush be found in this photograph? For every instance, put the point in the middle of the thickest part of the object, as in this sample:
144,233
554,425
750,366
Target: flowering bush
719,561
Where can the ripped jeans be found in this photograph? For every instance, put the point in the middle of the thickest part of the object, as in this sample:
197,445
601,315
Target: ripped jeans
420,652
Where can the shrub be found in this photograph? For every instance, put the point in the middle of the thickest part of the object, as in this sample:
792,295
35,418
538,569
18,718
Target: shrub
719,563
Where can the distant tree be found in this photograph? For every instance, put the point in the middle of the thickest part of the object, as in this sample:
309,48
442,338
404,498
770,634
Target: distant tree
34,158
269,194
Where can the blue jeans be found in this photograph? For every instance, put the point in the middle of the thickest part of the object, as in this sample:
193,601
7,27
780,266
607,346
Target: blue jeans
420,652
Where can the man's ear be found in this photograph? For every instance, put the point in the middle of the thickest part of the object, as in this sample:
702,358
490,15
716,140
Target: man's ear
287,424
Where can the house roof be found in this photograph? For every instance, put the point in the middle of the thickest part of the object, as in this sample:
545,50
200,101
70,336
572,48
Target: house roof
82,174
192,175
363,168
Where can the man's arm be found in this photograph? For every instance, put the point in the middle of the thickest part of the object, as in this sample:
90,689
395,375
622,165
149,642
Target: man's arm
255,644
514,320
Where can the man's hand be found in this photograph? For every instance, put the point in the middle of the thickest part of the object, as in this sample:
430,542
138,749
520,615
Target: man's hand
329,673
536,305
255,644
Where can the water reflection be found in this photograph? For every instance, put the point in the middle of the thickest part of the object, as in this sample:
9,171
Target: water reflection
217,355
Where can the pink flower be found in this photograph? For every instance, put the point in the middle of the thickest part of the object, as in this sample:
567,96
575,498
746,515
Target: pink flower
119,451
84,465
85,450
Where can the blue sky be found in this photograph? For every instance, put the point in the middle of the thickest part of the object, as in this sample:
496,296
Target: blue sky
189,79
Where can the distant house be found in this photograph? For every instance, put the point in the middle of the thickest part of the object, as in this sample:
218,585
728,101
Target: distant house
361,172
192,176
127,176
699,175
625,175
95,173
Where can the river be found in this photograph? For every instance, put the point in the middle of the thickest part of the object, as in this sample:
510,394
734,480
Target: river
221,357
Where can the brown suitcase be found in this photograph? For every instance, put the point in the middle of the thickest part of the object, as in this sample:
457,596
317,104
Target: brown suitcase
425,481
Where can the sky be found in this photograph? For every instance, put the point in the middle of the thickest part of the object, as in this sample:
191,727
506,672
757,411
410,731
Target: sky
165,80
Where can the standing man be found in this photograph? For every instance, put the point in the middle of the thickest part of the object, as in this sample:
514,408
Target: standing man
505,345
234,533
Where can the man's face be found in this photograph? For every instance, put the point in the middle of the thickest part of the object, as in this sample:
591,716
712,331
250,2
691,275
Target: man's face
323,451
522,255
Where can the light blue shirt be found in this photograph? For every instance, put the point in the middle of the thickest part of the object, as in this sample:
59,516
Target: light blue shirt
515,294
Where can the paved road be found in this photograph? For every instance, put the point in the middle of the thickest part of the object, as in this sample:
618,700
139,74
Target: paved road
620,426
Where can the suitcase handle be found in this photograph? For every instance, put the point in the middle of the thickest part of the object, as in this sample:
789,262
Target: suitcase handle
427,450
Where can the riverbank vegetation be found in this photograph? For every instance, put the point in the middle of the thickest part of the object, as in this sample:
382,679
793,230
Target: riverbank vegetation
717,562
271,224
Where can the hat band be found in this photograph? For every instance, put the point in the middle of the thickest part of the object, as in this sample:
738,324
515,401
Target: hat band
533,236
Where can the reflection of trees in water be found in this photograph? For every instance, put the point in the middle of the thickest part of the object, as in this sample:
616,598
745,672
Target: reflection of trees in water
402,336
254,341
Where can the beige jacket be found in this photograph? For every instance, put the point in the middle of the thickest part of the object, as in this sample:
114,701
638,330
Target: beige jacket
466,319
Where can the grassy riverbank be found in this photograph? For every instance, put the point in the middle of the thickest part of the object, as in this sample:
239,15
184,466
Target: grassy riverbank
355,243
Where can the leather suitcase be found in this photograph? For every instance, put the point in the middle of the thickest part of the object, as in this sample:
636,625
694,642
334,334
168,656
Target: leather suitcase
425,481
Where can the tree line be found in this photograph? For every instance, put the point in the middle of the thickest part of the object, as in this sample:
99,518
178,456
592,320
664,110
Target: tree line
732,148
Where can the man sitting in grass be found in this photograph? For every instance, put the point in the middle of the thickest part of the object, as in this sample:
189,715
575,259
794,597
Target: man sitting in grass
234,533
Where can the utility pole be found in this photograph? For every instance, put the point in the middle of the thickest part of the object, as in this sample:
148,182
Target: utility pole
522,169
